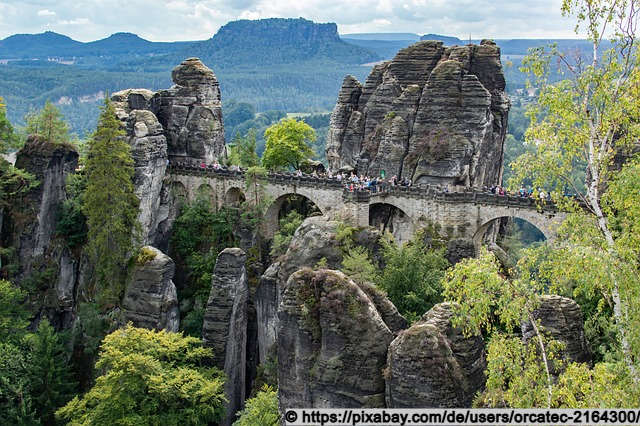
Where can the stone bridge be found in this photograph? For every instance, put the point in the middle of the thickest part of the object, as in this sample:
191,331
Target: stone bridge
461,213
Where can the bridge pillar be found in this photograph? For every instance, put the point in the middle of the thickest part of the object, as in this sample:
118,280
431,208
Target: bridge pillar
357,204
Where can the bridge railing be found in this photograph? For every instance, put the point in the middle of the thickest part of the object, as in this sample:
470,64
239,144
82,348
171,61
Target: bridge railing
458,195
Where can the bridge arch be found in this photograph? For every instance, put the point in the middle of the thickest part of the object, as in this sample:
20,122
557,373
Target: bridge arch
545,223
179,191
390,217
272,215
207,192
233,197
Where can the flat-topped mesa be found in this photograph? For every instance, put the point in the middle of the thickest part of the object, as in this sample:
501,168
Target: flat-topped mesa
435,114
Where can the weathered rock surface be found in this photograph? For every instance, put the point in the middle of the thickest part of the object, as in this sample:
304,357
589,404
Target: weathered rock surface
314,241
150,298
435,114
225,325
29,225
432,365
50,164
332,343
191,113
562,318
149,150
183,123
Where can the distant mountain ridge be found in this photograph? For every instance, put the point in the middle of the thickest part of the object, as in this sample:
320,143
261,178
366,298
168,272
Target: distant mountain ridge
53,45
277,41
281,64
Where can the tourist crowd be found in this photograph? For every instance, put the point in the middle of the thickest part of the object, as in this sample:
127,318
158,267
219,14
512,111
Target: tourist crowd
353,182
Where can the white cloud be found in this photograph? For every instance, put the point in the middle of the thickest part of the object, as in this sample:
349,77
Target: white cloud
72,22
89,20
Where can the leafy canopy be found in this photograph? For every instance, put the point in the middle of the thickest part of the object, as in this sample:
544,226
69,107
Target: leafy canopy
150,378
110,205
287,144
262,410
48,123
412,276
591,121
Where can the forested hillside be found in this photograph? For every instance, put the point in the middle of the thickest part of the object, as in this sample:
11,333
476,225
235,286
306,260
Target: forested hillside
291,65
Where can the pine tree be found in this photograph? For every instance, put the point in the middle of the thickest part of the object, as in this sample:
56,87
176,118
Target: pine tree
48,123
110,205
50,381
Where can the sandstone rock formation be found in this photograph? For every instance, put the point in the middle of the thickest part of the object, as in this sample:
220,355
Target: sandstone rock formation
183,123
29,226
50,164
562,318
149,150
314,240
225,325
332,343
432,365
150,298
435,114
191,113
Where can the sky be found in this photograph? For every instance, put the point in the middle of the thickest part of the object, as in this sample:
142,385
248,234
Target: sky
190,20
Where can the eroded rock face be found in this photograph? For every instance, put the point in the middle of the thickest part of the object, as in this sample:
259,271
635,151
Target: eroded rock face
432,365
29,225
314,241
183,123
332,343
50,164
435,114
191,113
150,298
562,318
225,325
149,150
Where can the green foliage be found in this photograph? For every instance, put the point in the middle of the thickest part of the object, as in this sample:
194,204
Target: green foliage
286,228
91,329
199,234
110,205
359,267
8,138
144,256
254,208
14,182
35,377
589,121
489,301
244,149
71,222
193,321
412,276
198,229
13,316
287,144
48,123
15,402
50,381
262,410
150,378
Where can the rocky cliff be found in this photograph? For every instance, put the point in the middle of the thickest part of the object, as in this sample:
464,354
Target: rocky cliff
44,265
225,325
434,365
435,114
183,123
315,241
191,113
332,343
150,299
